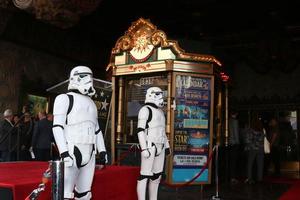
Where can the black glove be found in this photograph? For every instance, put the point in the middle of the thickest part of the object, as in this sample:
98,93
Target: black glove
65,154
102,158
67,159
167,151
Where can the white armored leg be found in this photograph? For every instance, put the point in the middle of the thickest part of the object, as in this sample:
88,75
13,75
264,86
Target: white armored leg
153,188
146,173
69,181
84,181
157,169
141,189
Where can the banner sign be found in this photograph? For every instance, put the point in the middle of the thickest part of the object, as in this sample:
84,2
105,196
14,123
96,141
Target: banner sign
189,160
102,100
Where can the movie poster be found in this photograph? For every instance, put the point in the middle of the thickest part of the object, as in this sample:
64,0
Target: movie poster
37,103
191,128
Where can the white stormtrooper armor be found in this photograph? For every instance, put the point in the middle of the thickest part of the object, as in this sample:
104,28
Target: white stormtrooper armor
153,142
77,134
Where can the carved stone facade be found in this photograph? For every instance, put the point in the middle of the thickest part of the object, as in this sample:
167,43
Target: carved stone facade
9,82
4,18
63,13
272,90
25,71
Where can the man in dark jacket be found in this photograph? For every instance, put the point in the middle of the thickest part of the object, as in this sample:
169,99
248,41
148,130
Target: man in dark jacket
234,146
26,136
7,137
42,138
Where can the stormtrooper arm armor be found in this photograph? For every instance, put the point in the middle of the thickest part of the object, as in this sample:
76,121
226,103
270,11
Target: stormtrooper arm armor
142,120
167,147
60,113
99,139
100,146
167,144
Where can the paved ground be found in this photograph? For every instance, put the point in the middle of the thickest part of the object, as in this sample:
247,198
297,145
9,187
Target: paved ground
240,191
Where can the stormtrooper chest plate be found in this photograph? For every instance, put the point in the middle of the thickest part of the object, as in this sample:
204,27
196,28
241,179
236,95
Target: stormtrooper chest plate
156,132
83,110
81,121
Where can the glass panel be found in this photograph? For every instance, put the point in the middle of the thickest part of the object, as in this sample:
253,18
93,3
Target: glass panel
285,144
136,88
288,135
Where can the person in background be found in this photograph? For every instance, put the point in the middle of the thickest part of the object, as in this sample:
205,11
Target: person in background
42,137
287,139
26,136
54,150
50,117
15,148
25,109
274,143
16,119
234,145
7,136
254,142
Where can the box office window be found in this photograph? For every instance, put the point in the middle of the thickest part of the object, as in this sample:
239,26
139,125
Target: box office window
136,88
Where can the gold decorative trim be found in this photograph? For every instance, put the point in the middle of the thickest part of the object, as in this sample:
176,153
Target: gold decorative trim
183,66
140,68
120,109
113,120
159,38
143,28
122,44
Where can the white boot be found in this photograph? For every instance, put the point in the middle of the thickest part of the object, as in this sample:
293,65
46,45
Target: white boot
141,189
153,188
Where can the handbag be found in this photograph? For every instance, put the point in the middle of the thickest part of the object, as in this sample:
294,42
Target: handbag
267,148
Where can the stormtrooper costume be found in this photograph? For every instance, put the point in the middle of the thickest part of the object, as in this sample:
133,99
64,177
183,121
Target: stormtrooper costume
153,142
77,134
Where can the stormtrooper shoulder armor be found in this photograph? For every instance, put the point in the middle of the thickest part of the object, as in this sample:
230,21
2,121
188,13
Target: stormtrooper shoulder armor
61,104
143,117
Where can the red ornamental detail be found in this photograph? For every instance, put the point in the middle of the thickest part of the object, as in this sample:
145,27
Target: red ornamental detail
142,59
139,68
224,77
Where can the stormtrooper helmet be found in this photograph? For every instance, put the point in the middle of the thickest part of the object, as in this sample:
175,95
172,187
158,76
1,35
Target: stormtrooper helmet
81,79
155,95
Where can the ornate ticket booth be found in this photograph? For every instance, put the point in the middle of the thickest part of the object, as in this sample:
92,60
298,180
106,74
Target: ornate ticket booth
143,57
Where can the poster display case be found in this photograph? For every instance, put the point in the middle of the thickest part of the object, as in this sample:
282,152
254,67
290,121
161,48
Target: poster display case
192,126
143,57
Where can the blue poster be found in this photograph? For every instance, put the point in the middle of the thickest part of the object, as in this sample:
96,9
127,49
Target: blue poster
191,128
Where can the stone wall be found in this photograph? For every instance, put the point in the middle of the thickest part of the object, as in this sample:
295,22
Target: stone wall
9,81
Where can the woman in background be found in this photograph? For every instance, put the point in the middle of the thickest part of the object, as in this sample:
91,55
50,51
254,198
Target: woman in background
254,142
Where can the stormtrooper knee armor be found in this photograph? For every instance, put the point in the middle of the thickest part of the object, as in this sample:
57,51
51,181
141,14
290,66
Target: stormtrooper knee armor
153,142
77,134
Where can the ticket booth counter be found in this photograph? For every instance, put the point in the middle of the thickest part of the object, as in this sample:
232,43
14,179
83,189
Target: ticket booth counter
143,57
